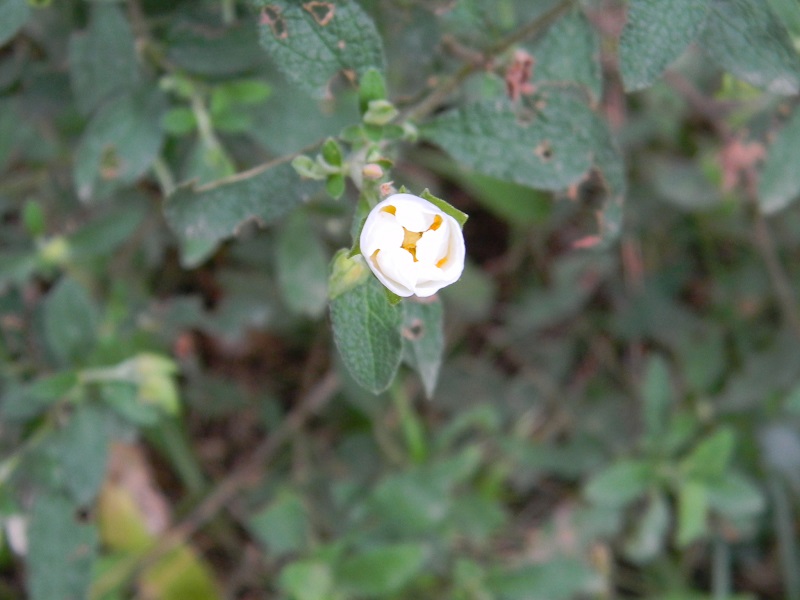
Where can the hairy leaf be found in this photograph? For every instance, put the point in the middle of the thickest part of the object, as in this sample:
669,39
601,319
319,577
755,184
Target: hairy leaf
61,551
366,327
570,52
380,571
747,39
549,149
423,340
81,450
780,182
312,41
70,321
102,60
216,211
302,266
656,33
120,143
620,483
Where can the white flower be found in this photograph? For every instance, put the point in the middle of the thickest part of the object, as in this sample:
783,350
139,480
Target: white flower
412,246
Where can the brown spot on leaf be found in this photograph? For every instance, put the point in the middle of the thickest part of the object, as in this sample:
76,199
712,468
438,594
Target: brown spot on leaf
414,331
544,151
271,15
321,11
518,76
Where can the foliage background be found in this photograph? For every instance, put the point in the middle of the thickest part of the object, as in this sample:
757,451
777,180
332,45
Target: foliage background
606,404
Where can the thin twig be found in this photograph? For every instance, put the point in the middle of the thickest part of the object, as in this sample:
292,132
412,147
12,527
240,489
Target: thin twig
448,86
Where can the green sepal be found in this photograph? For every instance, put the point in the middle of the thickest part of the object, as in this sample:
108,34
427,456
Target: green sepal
380,112
346,273
307,167
393,298
445,207
371,87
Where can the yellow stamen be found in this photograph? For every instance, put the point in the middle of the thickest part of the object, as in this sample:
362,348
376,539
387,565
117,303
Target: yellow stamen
437,222
410,239
441,262
389,209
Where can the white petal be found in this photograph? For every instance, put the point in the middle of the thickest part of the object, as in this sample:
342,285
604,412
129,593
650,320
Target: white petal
381,230
395,269
413,213
433,245
430,280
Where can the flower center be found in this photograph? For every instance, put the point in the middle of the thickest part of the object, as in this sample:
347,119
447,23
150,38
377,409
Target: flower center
410,238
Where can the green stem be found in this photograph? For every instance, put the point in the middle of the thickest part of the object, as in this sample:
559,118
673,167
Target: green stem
721,570
784,530
410,423
166,180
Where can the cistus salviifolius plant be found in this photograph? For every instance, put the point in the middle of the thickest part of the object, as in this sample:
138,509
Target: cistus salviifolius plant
251,345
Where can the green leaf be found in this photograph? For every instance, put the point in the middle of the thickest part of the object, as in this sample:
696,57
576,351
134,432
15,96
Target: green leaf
549,149
692,512
557,579
371,87
313,41
215,211
120,143
302,266
61,550
102,60
70,321
657,397
215,52
282,525
366,328
332,152
244,91
179,121
24,402
423,340
570,52
81,450
13,15
779,185
335,185
380,571
735,496
709,459
446,208
656,33
746,38
620,483
647,539
101,236
307,580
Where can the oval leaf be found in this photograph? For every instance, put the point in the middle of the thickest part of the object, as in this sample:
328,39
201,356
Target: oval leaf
366,328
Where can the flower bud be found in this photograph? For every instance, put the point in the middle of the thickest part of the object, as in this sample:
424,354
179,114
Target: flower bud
412,246
372,171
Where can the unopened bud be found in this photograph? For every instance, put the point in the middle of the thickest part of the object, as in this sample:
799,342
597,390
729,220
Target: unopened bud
372,171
